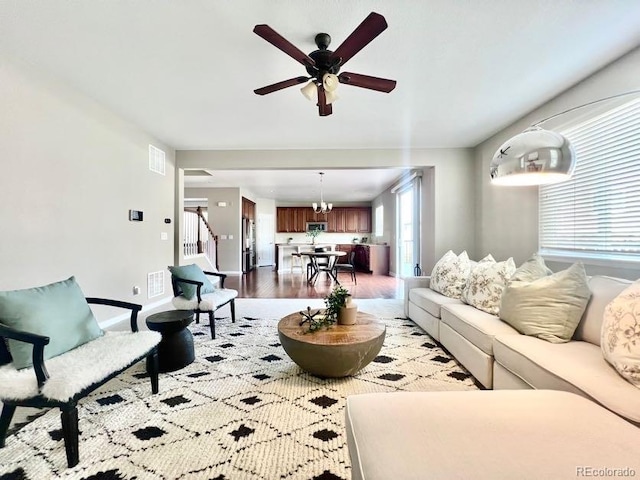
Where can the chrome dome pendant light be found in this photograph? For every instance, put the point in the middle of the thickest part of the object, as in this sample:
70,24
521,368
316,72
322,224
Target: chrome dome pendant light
323,208
537,156
533,157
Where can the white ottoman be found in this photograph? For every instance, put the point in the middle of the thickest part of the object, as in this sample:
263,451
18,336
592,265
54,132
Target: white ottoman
506,434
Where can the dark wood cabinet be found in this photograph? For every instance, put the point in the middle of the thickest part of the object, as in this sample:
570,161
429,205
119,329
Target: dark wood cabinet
291,219
372,259
248,209
335,220
364,220
339,220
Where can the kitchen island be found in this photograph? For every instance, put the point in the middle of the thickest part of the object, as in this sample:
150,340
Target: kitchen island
284,251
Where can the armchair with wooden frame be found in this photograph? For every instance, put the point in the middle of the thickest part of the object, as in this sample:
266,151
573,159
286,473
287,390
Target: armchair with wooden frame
204,301
61,381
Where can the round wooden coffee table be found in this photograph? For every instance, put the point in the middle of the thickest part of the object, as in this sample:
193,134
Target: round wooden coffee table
337,351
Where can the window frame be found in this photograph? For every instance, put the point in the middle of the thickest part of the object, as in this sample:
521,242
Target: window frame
611,258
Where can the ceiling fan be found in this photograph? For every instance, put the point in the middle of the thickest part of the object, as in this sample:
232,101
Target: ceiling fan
323,65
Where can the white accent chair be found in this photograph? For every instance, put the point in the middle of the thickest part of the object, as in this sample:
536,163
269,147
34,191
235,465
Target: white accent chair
205,302
63,380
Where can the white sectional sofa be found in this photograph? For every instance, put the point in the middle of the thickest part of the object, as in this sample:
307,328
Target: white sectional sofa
501,358
557,410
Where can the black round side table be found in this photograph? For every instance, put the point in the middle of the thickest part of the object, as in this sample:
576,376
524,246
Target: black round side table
175,350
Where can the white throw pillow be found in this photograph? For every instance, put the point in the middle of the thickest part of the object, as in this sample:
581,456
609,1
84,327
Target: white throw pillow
620,335
450,274
486,283
550,307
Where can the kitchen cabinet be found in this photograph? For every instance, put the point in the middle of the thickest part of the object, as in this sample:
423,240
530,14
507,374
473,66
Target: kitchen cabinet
335,220
291,219
372,259
358,219
339,220
248,209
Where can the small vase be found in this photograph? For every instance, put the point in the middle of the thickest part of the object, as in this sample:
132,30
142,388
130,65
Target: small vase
347,314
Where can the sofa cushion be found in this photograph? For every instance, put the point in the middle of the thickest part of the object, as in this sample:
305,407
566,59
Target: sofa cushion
603,290
475,325
576,367
549,308
450,274
430,300
485,284
191,272
484,435
58,311
621,334
532,269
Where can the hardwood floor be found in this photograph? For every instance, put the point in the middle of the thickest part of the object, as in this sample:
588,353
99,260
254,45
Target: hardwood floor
264,282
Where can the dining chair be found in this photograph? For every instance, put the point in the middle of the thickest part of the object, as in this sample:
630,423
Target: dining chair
347,267
320,262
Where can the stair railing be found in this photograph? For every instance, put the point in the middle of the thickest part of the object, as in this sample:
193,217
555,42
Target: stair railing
198,235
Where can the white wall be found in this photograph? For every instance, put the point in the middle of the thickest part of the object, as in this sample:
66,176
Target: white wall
448,214
225,221
508,216
71,171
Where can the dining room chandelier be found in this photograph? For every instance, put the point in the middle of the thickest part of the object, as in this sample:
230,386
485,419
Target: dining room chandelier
323,208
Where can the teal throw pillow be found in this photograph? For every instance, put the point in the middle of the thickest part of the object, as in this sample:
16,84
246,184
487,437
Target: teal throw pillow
58,311
192,272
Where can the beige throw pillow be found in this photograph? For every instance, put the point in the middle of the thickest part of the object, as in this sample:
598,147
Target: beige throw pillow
449,275
532,269
550,307
620,337
486,283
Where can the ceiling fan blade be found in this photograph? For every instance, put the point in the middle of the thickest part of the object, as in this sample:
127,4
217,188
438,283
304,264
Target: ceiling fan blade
278,41
370,28
324,108
280,85
365,81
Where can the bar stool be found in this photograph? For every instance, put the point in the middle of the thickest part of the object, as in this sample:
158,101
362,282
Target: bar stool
296,261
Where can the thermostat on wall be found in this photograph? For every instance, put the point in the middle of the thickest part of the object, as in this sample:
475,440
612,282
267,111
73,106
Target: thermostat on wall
135,215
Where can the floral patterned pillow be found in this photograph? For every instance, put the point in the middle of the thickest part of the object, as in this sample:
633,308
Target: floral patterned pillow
486,283
620,335
449,275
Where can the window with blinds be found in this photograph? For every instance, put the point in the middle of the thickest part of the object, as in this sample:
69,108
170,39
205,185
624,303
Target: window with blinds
596,214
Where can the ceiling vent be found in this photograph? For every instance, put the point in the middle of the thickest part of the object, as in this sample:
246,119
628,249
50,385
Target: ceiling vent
155,284
156,160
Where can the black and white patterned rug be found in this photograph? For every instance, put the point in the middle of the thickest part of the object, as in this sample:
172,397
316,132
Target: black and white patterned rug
242,410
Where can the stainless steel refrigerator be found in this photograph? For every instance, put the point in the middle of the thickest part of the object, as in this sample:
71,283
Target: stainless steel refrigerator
248,245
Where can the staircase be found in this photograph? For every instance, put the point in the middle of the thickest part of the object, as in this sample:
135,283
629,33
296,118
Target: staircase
198,235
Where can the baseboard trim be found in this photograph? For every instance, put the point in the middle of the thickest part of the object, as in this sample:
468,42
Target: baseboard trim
126,316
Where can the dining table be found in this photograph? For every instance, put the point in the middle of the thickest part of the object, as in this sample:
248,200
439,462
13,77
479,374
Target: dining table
331,255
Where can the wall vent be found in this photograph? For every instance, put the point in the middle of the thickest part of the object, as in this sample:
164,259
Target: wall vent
155,284
156,160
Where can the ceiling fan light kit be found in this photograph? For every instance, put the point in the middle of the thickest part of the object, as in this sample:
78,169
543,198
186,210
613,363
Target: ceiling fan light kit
323,65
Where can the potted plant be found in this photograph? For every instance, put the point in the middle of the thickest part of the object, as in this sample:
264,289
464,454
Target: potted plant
339,306
313,234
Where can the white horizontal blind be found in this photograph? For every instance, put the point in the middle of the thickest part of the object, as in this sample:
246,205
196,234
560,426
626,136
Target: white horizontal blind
596,214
